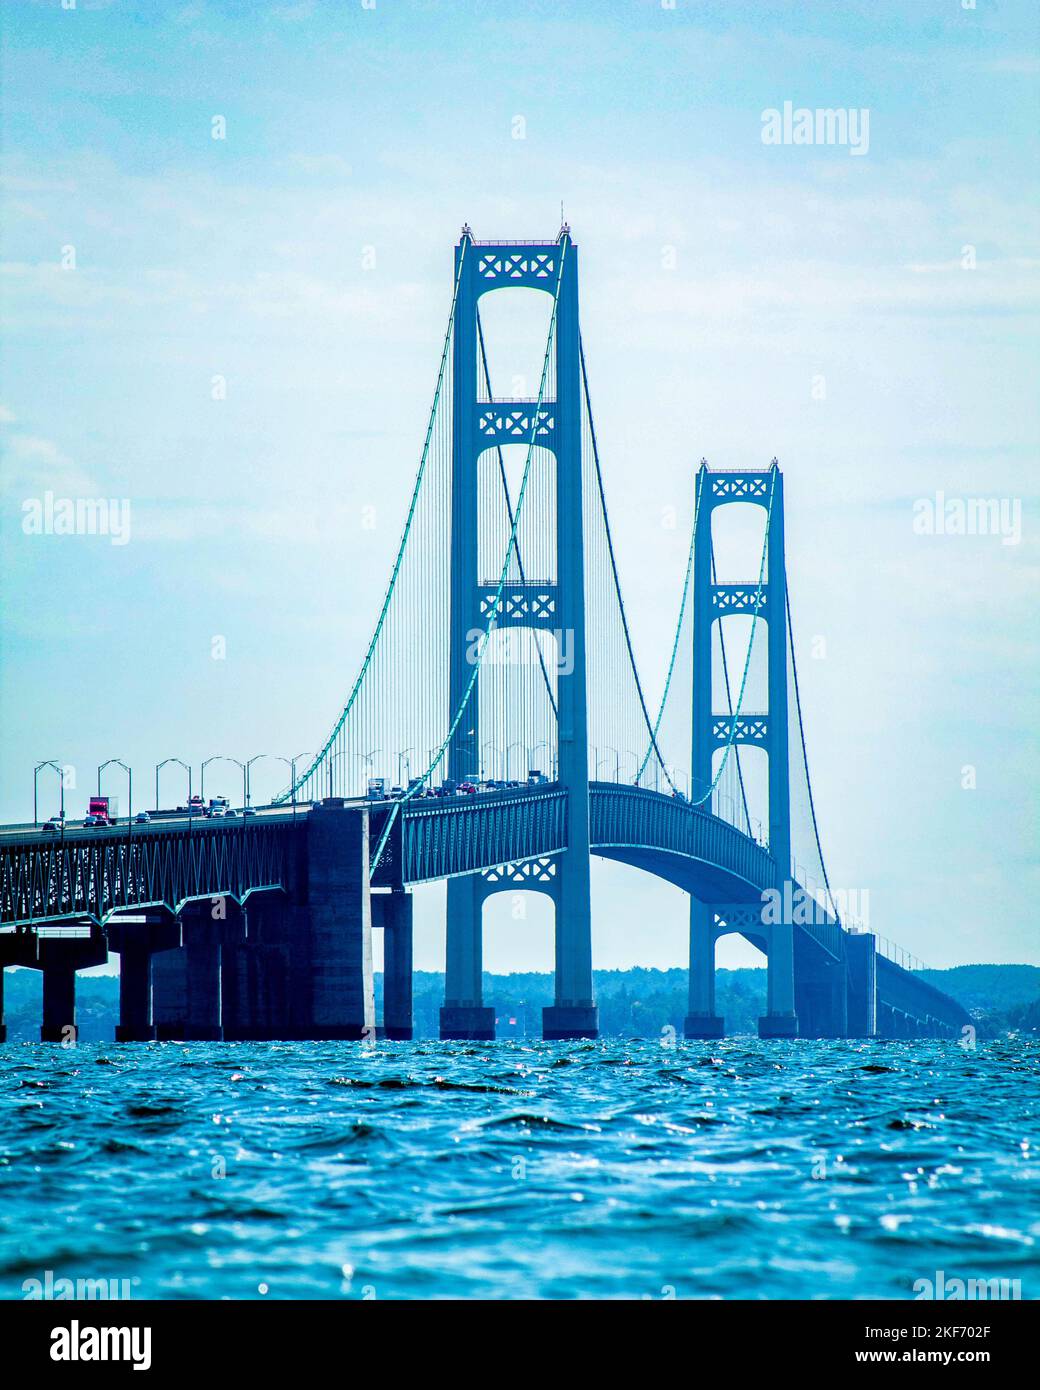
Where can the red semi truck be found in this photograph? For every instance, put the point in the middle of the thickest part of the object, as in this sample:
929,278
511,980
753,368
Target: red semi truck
104,809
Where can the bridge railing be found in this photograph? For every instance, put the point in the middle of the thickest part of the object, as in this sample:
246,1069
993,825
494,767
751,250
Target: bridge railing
635,818
443,838
93,876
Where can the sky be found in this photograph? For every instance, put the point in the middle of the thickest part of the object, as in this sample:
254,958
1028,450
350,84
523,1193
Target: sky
869,317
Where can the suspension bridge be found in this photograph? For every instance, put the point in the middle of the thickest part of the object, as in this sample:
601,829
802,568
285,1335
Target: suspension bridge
501,675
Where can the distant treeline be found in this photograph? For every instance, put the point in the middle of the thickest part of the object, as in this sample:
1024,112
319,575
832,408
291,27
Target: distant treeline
632,1003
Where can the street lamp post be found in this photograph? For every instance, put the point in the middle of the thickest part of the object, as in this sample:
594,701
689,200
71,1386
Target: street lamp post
535,749
222,758
509,749
290,763
292,768
404,755
369,760
248,778
118,762
49,762
159,767
483,758
341,754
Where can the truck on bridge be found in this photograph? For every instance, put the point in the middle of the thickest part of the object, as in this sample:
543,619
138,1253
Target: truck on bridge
103,809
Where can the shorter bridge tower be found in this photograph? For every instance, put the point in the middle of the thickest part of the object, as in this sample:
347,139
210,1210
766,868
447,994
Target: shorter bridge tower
713,730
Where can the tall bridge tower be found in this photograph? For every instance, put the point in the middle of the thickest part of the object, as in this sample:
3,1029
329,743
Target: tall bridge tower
713,731
480,268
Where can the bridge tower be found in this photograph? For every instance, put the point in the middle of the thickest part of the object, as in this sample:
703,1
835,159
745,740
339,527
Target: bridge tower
711,731
481,267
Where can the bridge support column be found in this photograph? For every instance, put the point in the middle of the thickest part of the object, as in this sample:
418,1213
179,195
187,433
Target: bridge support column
463,1016
202,964
265,979
59,1004
339,917
3,1025
861,1003
574,1014
135,938
393,911
780,1021
59,959
702,1020
135,995
186,993
820,989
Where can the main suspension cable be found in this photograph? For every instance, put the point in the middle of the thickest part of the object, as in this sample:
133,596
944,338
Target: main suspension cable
805,756
319,757
652,731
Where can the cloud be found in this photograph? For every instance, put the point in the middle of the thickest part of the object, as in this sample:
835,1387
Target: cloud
33,464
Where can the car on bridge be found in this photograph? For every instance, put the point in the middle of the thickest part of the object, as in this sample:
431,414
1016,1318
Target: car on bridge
55,823
142,818
93,822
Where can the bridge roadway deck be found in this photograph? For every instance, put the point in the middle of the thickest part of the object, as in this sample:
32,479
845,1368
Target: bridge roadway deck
89,875
91,872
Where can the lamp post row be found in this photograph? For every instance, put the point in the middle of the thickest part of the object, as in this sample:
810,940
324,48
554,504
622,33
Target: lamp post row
244,767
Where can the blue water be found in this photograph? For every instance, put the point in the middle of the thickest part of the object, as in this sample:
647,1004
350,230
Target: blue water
519,1170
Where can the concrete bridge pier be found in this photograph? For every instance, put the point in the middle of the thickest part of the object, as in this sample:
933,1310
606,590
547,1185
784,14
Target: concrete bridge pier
3,1025
257,994
186,983
780,1020
186,993
338,918
464,1017
202,1020
262,977
573,1014
861,1003
702,1020
393,912
821,990
135,996
135,939
59,1003
59,958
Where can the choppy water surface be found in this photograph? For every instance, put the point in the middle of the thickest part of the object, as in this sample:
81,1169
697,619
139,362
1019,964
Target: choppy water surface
520,1170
